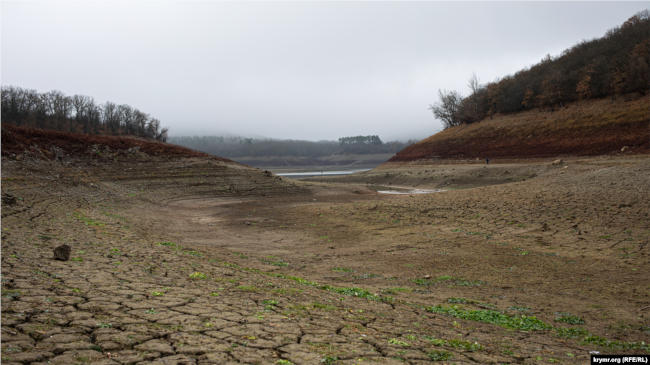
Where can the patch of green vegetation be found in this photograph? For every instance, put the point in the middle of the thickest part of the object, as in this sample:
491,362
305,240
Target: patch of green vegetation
269,304
342,269
214,294
113,215
455,343
448,279
10,293
248,288
366,276
519,309
168,244
150,311
283,362
393,291
568,318
82,359
329,360
439,355
193,253
157,293
395,341
523,322
354,292
198,276
241,255
326,307
275,261
104,325
86,220
76,290
615,344
78,259
574,332
436,341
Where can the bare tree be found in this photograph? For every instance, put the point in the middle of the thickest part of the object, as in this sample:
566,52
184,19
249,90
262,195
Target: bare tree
140,121
473,83
111,117
126,115
447,108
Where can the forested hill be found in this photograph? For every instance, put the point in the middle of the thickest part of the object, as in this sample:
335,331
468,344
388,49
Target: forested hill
611,66
366,151
254,147
592,99
54,110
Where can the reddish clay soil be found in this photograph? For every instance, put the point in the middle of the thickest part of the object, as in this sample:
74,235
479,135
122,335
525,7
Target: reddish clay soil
190,260
15,140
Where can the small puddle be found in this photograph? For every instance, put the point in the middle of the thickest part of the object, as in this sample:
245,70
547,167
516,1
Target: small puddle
319,173
410,192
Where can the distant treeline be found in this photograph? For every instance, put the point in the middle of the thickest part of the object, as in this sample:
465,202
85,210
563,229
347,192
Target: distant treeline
76,114
616,64
251,147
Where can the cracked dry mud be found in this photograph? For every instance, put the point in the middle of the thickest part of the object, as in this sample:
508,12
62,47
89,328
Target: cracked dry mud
188,261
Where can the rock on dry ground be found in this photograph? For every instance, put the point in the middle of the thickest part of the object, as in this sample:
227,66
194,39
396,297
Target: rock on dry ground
187,261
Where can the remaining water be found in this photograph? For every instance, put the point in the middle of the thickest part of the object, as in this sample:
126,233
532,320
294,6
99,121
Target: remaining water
409,192
320,173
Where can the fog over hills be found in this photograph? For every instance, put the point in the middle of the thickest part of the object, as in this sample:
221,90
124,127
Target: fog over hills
286,70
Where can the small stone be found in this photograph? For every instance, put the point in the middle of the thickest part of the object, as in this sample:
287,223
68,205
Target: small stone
557,162
427,276
62,253
8,199
624,148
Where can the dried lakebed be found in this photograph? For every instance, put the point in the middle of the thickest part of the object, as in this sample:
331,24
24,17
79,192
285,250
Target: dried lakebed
183,262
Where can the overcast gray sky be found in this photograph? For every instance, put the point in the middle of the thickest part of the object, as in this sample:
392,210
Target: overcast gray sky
309,70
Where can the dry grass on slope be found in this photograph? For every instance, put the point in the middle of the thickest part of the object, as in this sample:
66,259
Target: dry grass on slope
591,127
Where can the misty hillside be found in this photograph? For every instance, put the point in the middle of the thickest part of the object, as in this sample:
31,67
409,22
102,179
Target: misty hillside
355,150
590,100
616,64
